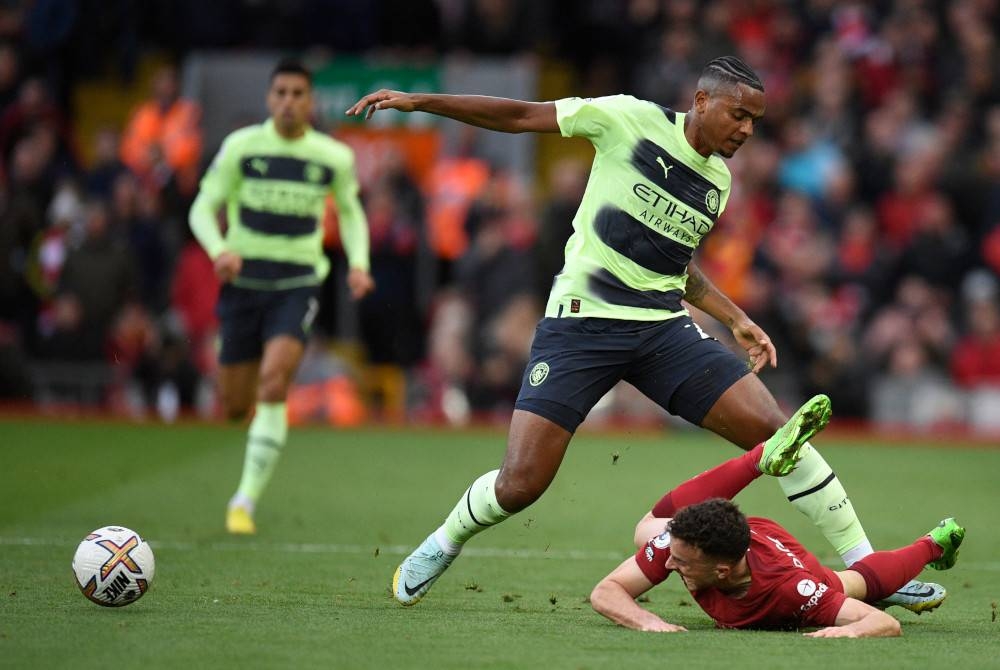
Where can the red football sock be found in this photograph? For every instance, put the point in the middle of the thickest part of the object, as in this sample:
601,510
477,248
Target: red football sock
886,571
722,481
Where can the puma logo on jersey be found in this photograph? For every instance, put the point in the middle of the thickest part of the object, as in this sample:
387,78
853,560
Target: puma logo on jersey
260,165
666,168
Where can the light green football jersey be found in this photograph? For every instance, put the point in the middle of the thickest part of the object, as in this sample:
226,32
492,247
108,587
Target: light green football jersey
275,192
649,200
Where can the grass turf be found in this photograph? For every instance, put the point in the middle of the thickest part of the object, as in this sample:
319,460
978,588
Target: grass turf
311,589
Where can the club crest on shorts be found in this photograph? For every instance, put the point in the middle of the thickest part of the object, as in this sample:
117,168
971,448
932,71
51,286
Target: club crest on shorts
538,374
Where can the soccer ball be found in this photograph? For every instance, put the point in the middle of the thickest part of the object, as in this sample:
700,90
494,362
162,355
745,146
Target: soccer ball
113,566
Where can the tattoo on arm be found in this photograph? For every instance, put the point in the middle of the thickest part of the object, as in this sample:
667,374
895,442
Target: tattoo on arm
696,287
702,293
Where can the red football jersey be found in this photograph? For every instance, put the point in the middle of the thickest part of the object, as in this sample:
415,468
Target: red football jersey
789,587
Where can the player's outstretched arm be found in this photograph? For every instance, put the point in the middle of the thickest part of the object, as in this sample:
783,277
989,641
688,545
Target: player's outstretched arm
503,114
859,619
703,294
614,597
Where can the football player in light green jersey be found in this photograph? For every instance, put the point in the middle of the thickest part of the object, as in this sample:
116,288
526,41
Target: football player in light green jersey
657,186
273,180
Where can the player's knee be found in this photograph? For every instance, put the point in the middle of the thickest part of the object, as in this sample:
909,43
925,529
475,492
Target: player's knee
597,598
514,493
273,386
235,413
235,406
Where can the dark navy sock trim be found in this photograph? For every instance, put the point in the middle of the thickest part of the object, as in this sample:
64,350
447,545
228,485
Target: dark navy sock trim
468,503
266,441
823,483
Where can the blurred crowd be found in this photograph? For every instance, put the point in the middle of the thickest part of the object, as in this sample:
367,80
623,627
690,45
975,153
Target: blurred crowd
863,230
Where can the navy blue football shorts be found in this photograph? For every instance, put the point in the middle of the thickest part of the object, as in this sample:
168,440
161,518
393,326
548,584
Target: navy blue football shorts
575,361
248,318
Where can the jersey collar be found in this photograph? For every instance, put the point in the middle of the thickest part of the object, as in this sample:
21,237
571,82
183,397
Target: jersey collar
682,141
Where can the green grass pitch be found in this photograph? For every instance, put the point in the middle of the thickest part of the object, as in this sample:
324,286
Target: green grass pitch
311,589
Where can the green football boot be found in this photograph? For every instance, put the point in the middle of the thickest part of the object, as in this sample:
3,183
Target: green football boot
783,449
948,535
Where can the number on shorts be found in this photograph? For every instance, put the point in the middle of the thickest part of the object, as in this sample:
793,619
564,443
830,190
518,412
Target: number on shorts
311,312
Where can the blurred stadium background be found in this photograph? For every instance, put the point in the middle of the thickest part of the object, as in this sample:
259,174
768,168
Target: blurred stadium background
863,232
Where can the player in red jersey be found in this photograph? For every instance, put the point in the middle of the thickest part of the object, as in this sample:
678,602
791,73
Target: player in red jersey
751,573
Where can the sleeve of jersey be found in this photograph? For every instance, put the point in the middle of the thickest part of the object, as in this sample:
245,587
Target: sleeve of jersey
724,200
219,181
652,559
594,118
353,223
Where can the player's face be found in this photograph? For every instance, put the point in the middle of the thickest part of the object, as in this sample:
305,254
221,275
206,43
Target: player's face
728,116
696,569
289,101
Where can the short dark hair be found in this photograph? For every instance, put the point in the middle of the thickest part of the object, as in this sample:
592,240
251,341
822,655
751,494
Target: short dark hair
716,526
291,66
728,70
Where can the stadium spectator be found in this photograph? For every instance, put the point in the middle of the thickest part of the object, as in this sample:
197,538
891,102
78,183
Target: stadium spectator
106,166
938,250
665,77
911,391
861,262
50,249
918,313
162,141
906,92
136,218
907,345
194,291
810,161
274,179
454,184
15,377
975,360
450,363
10,74
752,573
567,180
615,311
153,366
97,281
391,325
496,278
482,321
420,34
35,115
497,27
20,222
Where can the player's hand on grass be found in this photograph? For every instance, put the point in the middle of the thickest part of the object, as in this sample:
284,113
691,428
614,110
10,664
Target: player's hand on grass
662,627
360,283
228,266
833,631
757,344
383,99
